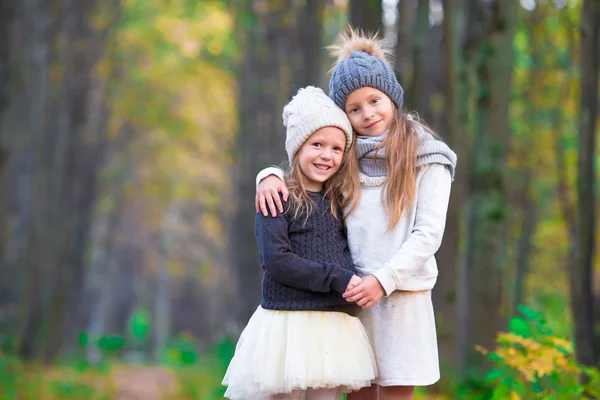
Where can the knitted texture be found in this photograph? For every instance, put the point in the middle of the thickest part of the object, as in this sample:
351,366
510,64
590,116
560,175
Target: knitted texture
309,111
429,151
360,70
370,161
307,266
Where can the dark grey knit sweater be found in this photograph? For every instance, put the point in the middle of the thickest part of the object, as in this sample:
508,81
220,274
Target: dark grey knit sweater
307,266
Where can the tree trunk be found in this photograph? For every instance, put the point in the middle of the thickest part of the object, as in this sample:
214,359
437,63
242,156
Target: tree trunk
7,9
405,43
446,289
272,70
103,266
415,99
52,125
162,305
529,218
366,15
6,18
580,273
487,215
468,38
523,189
311,17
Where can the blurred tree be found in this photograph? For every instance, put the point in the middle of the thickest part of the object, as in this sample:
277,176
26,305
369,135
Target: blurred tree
580,273
405,40
415,96
487,208
53,117
277,60
522,193
6,9
159,241
444,292
366,15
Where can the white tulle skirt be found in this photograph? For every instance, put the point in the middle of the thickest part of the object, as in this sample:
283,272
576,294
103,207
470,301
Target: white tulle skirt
281,351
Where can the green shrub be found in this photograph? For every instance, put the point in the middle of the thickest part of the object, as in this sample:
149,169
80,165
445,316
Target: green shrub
531,362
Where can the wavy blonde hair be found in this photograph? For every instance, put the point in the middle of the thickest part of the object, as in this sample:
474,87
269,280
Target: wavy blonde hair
342,189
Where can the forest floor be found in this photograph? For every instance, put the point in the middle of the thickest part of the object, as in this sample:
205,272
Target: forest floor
157,383
144,383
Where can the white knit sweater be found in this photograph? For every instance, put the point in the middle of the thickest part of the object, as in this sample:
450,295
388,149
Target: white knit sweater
402,259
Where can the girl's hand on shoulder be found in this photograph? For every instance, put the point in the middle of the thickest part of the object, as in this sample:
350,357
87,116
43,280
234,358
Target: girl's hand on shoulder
267,193
354,282
367,293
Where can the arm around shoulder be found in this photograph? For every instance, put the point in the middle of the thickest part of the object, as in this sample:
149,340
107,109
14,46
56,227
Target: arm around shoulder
278,172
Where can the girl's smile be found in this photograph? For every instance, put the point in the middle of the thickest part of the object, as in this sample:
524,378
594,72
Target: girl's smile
321,156
373,124
370,111
322,168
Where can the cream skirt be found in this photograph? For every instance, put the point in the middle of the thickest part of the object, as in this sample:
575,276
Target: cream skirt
281,351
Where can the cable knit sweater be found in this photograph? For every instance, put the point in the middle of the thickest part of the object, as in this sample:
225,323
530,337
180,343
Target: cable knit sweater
306,265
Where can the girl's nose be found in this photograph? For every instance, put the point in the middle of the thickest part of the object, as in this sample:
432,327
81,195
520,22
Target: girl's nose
326,154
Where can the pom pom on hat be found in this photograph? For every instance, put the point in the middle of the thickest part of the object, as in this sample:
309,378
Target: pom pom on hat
358,41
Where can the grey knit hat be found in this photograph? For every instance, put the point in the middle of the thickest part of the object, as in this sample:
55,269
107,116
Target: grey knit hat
362,69
309,111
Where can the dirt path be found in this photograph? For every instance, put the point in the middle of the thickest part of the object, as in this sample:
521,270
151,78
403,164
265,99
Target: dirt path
144,383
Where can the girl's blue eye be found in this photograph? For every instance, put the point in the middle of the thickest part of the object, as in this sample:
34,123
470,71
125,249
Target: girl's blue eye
337,148
317,144
375,101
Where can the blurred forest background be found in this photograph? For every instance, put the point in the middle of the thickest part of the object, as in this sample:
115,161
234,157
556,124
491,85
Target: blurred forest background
131,133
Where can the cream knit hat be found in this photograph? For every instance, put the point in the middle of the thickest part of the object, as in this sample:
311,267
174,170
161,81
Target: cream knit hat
308,111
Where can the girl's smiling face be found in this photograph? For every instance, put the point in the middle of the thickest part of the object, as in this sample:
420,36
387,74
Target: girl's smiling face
321,156
370,111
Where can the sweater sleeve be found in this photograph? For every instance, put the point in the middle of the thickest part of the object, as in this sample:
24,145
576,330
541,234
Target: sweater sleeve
426,236
278,172
287,268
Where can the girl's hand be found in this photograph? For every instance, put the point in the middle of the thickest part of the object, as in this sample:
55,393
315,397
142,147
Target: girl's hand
354,282
367,293
267,192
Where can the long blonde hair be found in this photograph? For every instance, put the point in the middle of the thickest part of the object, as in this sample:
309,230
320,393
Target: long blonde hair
342,189
401,146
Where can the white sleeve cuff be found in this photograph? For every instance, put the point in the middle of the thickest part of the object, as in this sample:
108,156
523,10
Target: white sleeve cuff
269,171
387,278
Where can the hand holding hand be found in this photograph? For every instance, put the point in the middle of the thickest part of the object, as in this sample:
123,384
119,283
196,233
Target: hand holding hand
267,193
354,282
367,293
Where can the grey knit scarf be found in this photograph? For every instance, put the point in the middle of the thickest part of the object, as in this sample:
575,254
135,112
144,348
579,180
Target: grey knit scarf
429,151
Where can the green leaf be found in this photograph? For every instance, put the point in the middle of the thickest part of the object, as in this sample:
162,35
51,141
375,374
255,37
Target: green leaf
111,343
494,375
139,324
535,386
83,339
528,313
519,387
519,327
